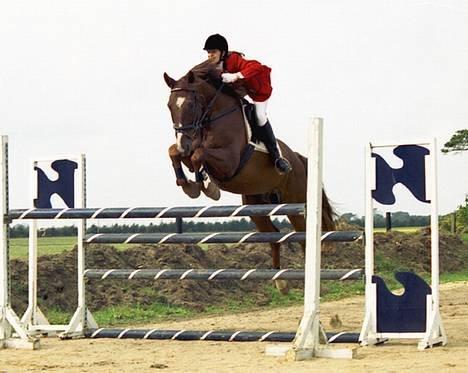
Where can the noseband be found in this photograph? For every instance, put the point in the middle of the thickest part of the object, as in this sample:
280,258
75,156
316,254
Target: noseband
200,121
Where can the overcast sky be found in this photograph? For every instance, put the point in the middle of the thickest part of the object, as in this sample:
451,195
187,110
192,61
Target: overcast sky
86,77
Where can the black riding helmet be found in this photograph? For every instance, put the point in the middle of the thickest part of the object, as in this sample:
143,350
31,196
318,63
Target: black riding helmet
216,41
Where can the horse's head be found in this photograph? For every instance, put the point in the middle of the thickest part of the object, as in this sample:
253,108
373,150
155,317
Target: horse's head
189,104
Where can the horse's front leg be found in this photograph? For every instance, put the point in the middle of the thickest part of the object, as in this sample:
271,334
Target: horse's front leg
189,187
209,188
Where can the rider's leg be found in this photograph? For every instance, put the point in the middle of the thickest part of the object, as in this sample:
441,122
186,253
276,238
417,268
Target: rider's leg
268,137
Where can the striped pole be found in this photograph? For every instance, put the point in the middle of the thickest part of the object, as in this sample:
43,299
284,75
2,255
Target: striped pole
218,237
159,212
211,335
219,274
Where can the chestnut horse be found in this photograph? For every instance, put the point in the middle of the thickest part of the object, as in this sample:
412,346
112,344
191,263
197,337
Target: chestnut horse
211,135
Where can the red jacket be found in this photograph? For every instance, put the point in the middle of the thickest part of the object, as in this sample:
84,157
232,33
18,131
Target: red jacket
256,76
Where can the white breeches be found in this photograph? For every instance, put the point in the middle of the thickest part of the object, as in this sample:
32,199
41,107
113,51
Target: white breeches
260,112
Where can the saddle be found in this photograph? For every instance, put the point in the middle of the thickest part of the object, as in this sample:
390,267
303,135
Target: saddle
251,119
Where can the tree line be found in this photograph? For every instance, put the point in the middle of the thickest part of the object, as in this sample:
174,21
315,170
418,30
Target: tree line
243,224
399,219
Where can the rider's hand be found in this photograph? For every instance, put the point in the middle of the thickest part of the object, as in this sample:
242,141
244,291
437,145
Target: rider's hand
231,77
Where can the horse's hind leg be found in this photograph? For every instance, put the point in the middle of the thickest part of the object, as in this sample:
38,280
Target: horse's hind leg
299,224
209,188
264,224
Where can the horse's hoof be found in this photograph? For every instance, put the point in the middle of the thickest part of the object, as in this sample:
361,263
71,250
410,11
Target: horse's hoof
181,182
211,190
282,286
191,189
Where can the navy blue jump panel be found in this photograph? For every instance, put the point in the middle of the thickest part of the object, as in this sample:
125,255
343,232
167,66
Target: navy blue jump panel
64,186
412,174
404,313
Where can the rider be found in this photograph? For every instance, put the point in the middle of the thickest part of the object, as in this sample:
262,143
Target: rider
255,78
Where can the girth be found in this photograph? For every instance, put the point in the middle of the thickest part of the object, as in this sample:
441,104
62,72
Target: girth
245,157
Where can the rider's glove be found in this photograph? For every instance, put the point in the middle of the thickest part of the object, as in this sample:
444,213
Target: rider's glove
231,77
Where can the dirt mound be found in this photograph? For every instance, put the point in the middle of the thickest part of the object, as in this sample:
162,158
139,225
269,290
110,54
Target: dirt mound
57,273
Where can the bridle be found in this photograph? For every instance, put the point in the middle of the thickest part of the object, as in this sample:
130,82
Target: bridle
191,130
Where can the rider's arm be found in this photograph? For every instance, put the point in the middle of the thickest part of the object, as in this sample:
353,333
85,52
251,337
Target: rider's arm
235,63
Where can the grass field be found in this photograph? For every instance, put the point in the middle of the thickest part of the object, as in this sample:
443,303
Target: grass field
47,246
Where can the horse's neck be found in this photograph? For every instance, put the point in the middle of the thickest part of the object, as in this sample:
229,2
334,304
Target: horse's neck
225,140
229,120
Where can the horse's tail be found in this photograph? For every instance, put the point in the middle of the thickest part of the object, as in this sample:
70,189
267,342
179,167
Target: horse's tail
328,212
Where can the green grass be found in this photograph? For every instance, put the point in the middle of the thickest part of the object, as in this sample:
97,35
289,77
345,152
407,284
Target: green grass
48,246
454,277
158,312
135,314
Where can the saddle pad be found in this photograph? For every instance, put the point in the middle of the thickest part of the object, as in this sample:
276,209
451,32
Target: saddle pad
258,146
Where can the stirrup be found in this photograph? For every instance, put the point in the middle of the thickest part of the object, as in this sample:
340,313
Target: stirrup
283,166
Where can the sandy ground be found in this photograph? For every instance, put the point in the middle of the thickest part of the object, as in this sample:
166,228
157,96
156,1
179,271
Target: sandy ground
108,355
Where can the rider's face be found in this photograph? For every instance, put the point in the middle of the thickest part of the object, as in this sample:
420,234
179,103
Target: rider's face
214,55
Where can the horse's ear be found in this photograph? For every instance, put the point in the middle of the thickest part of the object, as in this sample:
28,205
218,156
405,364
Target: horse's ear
169,81
191,77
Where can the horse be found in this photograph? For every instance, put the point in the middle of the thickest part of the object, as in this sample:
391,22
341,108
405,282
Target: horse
211,137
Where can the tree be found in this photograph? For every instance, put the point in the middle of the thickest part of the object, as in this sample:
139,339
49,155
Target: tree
458,142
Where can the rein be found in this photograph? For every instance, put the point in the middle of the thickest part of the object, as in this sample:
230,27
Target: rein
204,119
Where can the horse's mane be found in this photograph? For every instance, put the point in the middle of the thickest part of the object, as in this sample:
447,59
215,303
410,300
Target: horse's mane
210,73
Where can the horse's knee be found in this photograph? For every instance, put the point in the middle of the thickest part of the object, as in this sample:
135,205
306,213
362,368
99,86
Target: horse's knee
173,152
172,149
197,158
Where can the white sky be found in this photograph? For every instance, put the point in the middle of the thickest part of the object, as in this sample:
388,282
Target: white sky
86,77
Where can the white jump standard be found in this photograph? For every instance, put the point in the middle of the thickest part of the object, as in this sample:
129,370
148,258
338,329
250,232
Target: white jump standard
415,314
13,334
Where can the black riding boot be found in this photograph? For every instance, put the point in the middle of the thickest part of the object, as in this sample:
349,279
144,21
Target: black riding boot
268,137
